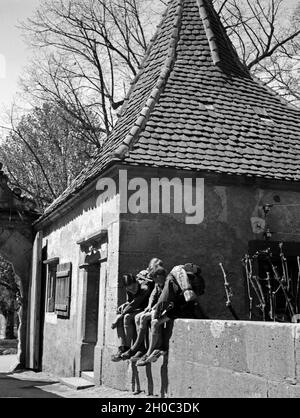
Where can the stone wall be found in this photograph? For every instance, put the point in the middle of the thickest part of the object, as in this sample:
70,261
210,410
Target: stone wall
234,359
228,359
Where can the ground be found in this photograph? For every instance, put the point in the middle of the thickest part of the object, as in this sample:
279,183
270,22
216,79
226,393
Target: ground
28,384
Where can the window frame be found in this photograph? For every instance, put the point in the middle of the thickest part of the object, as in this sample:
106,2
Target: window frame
51,265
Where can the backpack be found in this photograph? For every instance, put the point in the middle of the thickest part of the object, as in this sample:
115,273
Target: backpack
195,284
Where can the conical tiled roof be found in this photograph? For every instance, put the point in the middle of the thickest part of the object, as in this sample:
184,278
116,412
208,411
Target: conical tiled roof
195,106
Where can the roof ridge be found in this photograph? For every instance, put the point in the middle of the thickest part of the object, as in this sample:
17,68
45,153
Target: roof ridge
142,65
209,32
211,36
157,89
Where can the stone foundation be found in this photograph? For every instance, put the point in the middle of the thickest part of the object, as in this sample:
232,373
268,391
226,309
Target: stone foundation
224,359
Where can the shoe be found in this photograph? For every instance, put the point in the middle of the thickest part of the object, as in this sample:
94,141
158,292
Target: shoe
154,356
137,356
127,355
117,356
143,361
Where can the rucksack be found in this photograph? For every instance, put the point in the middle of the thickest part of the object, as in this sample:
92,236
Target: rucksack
187,282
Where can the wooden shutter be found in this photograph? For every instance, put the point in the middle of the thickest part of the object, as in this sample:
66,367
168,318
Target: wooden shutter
63,290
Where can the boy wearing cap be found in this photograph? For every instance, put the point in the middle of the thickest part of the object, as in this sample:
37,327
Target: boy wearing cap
143,319
138,292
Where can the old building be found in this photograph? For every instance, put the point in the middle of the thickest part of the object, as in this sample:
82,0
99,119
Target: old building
193,112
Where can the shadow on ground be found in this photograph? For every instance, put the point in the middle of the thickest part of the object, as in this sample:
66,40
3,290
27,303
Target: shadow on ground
11,387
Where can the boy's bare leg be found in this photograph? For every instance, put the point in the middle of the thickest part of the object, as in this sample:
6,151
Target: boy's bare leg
155,335
142,321
121,333
129,329
123,340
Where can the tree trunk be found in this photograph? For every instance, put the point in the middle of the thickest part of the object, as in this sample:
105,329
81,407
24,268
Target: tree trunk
9,332
2,326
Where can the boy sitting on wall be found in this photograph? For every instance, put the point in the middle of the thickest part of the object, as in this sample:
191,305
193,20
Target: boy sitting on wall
179,299
138,290
143,319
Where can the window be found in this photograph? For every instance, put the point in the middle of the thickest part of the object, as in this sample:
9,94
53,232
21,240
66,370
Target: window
63,290
51,283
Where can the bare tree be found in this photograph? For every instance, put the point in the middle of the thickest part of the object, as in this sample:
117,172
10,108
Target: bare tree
87,52
267,40
92,48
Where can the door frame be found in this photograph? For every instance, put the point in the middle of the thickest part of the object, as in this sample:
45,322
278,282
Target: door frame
93,249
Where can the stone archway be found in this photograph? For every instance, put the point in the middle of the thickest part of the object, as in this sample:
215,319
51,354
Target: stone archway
9,296
11,304
17,213
15,317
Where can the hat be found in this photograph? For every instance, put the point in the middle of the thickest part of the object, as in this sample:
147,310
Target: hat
191,268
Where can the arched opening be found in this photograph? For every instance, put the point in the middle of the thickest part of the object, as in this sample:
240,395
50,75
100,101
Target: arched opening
10,307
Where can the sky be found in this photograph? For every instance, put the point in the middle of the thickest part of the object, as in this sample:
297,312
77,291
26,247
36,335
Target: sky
13,52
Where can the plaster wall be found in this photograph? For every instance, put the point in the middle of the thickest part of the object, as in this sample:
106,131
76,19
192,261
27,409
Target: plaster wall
61,337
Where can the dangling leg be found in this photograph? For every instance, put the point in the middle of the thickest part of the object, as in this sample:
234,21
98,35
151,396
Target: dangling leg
156,334
155,339
143,321
129,328
122,341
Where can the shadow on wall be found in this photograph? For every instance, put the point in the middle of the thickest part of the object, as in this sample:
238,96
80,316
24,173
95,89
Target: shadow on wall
160,373
153,378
